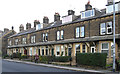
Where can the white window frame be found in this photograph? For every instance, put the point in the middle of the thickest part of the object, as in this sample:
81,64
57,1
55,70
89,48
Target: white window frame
102,29
82,48
105,49
75,48
33,39
10,42
23,40
62,34
92,13
57,50
47,51
77,32
109,28
93,48
63,50
35,51
42,49
46,37
31,51
58,35
82,31
111,49
16,41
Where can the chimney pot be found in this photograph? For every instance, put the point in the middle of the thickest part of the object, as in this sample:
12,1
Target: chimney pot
88,6
56,17
71,12
28,26
21,28
45,20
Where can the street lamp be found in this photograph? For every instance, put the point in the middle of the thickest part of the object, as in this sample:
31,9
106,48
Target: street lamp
113,35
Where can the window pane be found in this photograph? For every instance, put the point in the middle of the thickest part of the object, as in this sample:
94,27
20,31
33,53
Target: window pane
103,28
77,47
61,34
42,51
77,31
83,48
58,35
109,27
58,50
46,36
104,45
82,31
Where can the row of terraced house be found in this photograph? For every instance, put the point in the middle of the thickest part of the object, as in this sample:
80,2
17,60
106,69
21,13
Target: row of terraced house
89,32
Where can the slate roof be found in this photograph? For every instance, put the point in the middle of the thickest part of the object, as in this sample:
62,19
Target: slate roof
59,23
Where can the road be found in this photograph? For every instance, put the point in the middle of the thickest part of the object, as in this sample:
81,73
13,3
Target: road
21,67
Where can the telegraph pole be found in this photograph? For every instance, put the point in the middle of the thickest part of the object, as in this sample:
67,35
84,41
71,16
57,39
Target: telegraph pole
113,35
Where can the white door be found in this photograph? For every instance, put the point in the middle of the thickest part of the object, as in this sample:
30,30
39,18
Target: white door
93,49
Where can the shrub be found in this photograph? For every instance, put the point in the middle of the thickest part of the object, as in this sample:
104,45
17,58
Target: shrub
24,56
54,59
45,58
6,56
16,55
91,59
61,59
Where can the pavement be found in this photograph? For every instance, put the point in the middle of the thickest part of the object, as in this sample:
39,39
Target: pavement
64,67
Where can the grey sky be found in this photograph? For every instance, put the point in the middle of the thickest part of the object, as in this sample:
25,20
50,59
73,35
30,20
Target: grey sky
16,12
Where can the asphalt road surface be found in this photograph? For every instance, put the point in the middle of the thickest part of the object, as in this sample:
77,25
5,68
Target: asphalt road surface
20,67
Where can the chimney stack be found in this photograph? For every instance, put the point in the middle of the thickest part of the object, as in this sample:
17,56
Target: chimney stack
6,29
28,26
109,2
56,17
21,28
88,6
71,12
45,20
12,28
36,22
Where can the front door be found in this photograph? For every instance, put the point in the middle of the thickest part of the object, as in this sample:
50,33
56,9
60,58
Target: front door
69,51
52,52
93,49
25,52
38,51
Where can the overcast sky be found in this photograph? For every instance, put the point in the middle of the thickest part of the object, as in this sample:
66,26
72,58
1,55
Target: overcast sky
16,12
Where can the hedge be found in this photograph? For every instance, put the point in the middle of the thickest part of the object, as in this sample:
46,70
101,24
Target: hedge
54,59
62,59
91,59
16,55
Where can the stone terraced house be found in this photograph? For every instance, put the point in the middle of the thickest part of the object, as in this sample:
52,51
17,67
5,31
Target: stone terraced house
89,32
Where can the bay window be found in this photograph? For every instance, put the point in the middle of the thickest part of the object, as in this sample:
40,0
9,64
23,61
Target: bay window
57,50
105,48
77,48
83,48
30,51
42,51
46,50
62,51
